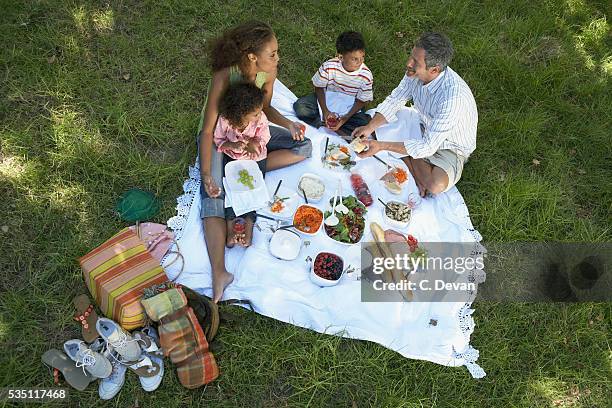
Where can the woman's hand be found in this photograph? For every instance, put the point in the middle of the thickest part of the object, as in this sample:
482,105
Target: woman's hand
298,130
211,188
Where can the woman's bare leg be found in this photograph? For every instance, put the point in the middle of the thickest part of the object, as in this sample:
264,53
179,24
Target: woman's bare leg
282,158
215,231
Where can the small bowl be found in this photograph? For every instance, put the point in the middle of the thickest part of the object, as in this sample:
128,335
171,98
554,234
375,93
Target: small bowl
285,244
391,221
303,232
314,177
317,280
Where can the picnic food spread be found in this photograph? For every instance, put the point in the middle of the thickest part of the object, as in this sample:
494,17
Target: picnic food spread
394,179
338,156
307,219
244,177
361,189
328,266
398,211
312,186
351,226
358,146
278,204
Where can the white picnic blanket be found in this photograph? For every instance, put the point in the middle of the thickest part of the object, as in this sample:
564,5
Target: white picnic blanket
282,289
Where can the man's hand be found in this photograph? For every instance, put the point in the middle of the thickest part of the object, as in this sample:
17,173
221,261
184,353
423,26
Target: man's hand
362,132
373,147
211,188
252,148
298,130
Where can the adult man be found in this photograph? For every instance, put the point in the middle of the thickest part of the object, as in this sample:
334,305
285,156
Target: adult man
447,112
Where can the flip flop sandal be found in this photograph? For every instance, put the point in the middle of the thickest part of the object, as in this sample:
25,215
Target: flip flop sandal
148,344
87,316
61,363
145,367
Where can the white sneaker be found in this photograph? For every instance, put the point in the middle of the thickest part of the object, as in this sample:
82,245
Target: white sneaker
118,339
111,385
95,363
151,383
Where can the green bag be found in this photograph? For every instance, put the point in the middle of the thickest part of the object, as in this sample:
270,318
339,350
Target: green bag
137,205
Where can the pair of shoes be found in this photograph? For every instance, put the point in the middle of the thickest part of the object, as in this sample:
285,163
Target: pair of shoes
150,362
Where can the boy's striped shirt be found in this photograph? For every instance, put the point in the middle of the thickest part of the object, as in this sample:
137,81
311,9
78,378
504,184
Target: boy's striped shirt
333,77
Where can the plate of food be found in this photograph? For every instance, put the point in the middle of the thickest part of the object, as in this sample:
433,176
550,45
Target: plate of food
307,219
351,225
243,175
338,156
311,185
282,205
394,179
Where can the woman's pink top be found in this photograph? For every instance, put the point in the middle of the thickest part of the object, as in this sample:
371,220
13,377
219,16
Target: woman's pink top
258,131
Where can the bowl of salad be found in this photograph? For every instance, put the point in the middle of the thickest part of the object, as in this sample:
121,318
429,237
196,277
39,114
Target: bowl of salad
351,225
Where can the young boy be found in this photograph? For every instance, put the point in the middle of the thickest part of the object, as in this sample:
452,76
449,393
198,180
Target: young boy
336,81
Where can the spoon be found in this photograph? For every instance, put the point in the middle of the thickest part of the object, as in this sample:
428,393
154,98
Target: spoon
341,207
386,206
304,194
332,220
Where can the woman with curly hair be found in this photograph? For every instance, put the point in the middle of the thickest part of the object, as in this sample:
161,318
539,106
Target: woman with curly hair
248,52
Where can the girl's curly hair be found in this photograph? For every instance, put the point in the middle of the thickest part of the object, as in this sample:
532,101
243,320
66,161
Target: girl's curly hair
239,100
233,46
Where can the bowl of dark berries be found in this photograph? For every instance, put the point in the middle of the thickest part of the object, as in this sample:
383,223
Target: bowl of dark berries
326,269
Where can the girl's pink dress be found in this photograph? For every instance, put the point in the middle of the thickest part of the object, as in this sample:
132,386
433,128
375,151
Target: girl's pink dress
258,131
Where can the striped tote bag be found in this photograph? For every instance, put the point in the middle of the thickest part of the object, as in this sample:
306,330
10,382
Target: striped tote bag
117,272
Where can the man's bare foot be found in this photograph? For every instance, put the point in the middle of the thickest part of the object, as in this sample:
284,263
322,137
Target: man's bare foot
221,279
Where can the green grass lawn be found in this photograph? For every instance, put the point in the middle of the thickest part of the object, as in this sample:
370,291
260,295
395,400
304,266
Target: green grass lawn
98,97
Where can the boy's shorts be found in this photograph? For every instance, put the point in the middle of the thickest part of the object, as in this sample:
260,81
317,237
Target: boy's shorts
449,161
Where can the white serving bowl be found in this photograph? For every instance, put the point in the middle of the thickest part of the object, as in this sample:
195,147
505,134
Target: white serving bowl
317,280
307,233
315,177
391,221
285,244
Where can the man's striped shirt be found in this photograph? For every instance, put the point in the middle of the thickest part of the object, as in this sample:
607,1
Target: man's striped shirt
447,109
333,77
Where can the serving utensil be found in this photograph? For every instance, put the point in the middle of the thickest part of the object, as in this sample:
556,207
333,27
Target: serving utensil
304,194
386,206
332,220
382,161
341,207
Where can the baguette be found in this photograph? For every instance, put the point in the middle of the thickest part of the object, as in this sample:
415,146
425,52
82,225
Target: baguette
389,275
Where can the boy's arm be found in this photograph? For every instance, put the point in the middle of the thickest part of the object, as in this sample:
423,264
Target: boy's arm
320,92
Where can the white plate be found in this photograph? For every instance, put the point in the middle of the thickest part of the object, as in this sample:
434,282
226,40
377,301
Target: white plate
234,167
290,204
329,164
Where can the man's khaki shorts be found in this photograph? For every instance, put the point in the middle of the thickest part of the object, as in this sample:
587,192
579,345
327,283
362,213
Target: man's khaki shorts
449,161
